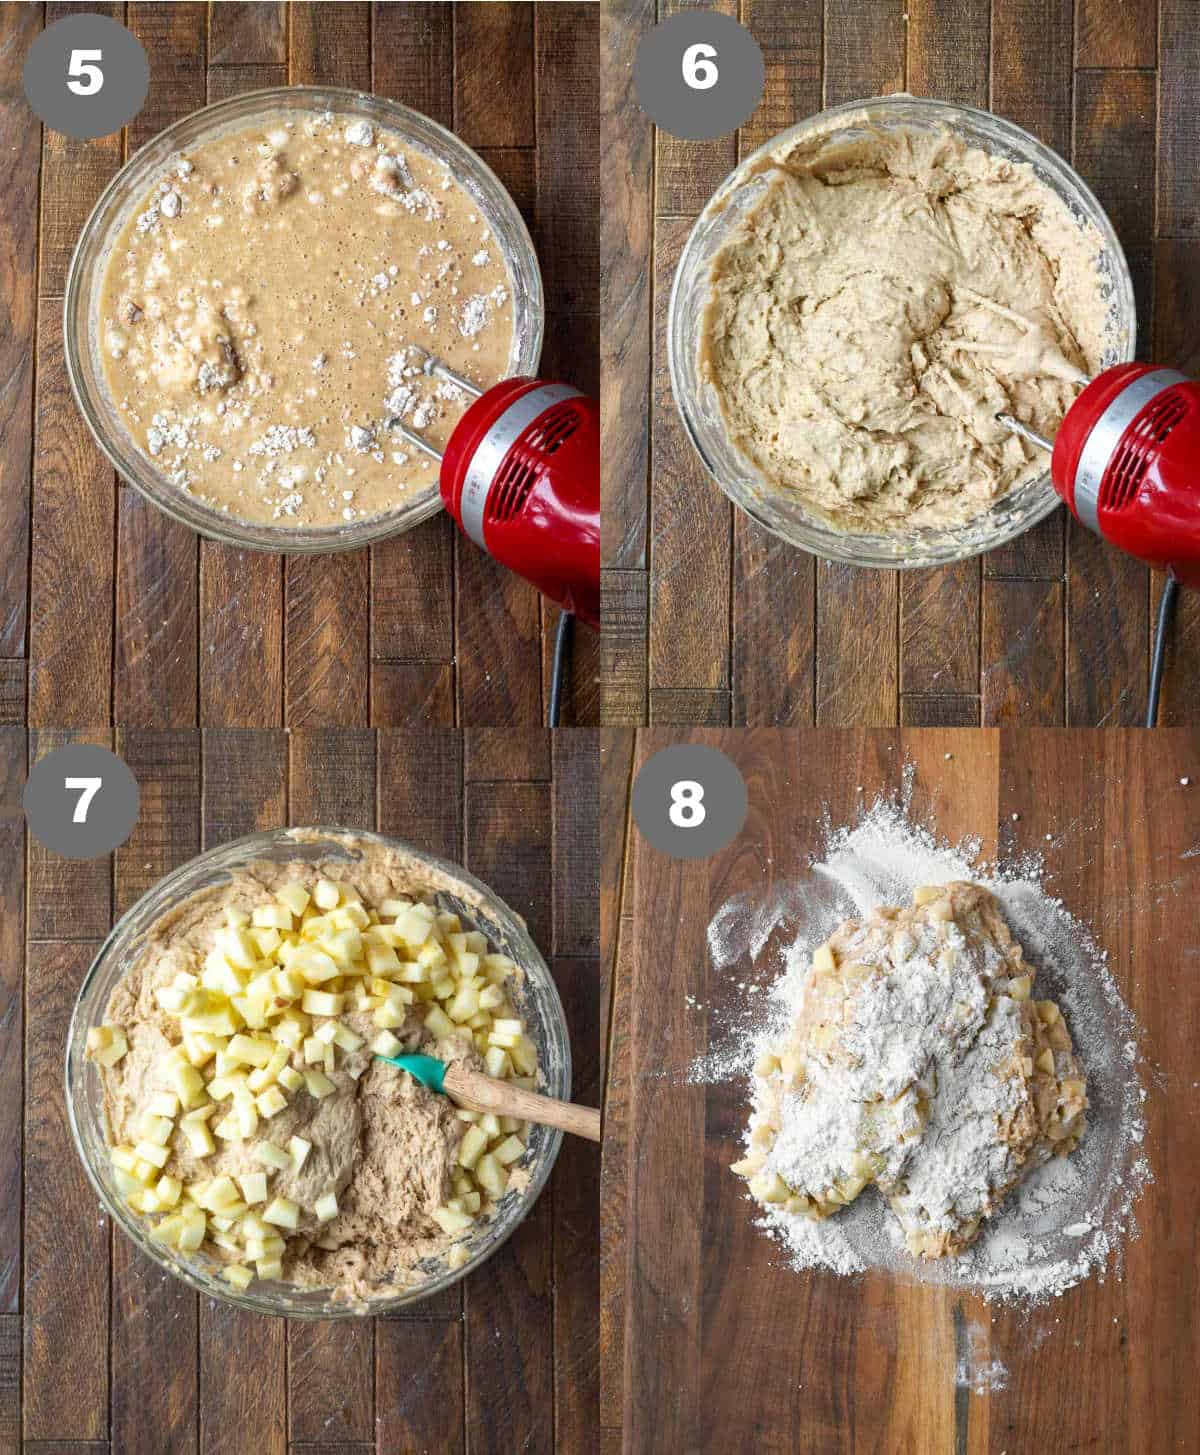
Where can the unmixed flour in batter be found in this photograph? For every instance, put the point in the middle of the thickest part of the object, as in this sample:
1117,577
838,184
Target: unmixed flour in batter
872,314
262,310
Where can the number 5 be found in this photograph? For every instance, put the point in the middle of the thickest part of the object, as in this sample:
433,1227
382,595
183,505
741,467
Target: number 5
90,787
698,69
94,79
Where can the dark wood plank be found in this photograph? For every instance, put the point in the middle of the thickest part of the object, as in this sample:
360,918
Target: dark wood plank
418,1376
626,241
10,1382
517,169
330,1381
789,32
774,629
20,154
66,1255
857,633
1114,147
330,45
71,580
493,48
245,789
691,706
1032,58
864,48
575,1193
1115,35
13,676
245,35
510,1380
1023,651
412,694
691,522
686,173
936,709
1178,134
412,594
74,173
68,899
567,78
241,592
614,1182
499,642
421,789
575,868
12,1011
499,754
331,777
948,49
583,685
412,56
939,629
624,613
325,681
157,619
1108,611
154,1382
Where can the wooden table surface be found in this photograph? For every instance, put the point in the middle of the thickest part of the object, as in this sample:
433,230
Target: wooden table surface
710,620
110,613
99,1351
706,1343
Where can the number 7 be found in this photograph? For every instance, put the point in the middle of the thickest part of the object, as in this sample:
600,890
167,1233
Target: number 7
90,787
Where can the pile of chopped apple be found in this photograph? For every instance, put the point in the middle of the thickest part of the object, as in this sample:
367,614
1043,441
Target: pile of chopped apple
260,1023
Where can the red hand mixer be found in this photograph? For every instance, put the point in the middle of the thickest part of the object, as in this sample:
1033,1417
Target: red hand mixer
521,476
1127,462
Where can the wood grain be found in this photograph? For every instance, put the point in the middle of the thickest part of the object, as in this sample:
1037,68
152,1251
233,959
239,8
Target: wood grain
12,1011
873,1360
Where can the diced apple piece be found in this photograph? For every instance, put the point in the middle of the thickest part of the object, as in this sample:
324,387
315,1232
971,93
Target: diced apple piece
491,1177
238,1276
1020,987
438,1023
326,1207
385,1044
1045,1061
294,896
496,1062
298,1150
272,1156
322,1002
458,1255
509,1151
347,1039
164,1104
151,1152
489,1125
271,1267
193,1227
290,1079
524,1057
283,1213
451,1220
250,1051
113,1047
472,1146
770,1187
319,1085
155,1129
254,1186
271,1102
314,965
199,1139
325,894
464,1005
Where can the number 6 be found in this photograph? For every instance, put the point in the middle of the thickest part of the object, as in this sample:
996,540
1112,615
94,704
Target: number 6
698,69
94,78
90,787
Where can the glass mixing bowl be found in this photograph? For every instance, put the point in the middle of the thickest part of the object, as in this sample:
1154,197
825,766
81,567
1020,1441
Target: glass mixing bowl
775,509
536,998
128,189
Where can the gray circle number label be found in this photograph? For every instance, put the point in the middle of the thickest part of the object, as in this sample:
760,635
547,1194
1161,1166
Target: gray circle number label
699,75
689,801
86,76
81,801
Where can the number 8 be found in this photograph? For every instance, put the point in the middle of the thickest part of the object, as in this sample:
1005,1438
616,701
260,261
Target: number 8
687,809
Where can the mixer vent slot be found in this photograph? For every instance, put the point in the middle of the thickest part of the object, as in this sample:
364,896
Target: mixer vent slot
512,488
1133,458
556,426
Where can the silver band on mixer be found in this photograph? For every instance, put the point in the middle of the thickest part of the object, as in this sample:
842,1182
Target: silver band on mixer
1106,434
493,447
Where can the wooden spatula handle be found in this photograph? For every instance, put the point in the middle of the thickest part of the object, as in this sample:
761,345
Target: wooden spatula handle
476,1092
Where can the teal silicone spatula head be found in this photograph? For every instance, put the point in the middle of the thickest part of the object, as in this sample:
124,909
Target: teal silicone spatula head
428,1070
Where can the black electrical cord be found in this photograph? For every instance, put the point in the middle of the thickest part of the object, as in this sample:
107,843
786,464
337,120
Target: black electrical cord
1166,614
562,642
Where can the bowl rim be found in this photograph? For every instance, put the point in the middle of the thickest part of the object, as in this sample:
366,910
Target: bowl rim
839,546
167,889
219,525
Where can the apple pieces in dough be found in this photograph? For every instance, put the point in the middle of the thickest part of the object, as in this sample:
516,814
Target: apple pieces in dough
918,1061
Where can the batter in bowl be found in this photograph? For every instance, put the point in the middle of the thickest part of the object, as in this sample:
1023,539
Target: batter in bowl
877,308
248,1115
263,308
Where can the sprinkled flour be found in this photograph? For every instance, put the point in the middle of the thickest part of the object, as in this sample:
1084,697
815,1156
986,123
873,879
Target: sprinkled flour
1070,1216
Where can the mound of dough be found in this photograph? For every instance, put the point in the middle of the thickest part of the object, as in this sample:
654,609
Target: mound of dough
918,1062
870,316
